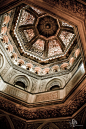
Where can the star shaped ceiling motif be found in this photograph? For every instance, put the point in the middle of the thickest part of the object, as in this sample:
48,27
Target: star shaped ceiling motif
41,35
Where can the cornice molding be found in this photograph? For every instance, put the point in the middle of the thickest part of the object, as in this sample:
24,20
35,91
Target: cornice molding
18,68
75,102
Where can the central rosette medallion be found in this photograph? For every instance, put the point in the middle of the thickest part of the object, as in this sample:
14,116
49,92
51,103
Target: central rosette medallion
47,26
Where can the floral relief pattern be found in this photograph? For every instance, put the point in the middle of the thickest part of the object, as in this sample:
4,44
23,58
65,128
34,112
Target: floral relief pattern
26,18
54,48
36,52
39,44
29,34
66,37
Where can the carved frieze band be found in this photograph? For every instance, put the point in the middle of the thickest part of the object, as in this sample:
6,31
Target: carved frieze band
78,100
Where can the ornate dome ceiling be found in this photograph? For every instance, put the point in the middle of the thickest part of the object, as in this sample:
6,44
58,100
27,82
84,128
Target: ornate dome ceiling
42,63
38,41
41,35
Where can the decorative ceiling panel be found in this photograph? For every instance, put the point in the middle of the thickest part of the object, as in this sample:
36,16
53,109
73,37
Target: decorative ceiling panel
29,34
39,44
66,37
54,48
26,18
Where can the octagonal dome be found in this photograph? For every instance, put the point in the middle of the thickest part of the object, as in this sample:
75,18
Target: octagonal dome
40,39
47,26
41,36
40,45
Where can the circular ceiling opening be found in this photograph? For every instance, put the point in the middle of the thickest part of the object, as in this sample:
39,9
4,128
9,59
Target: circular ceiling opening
47,26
